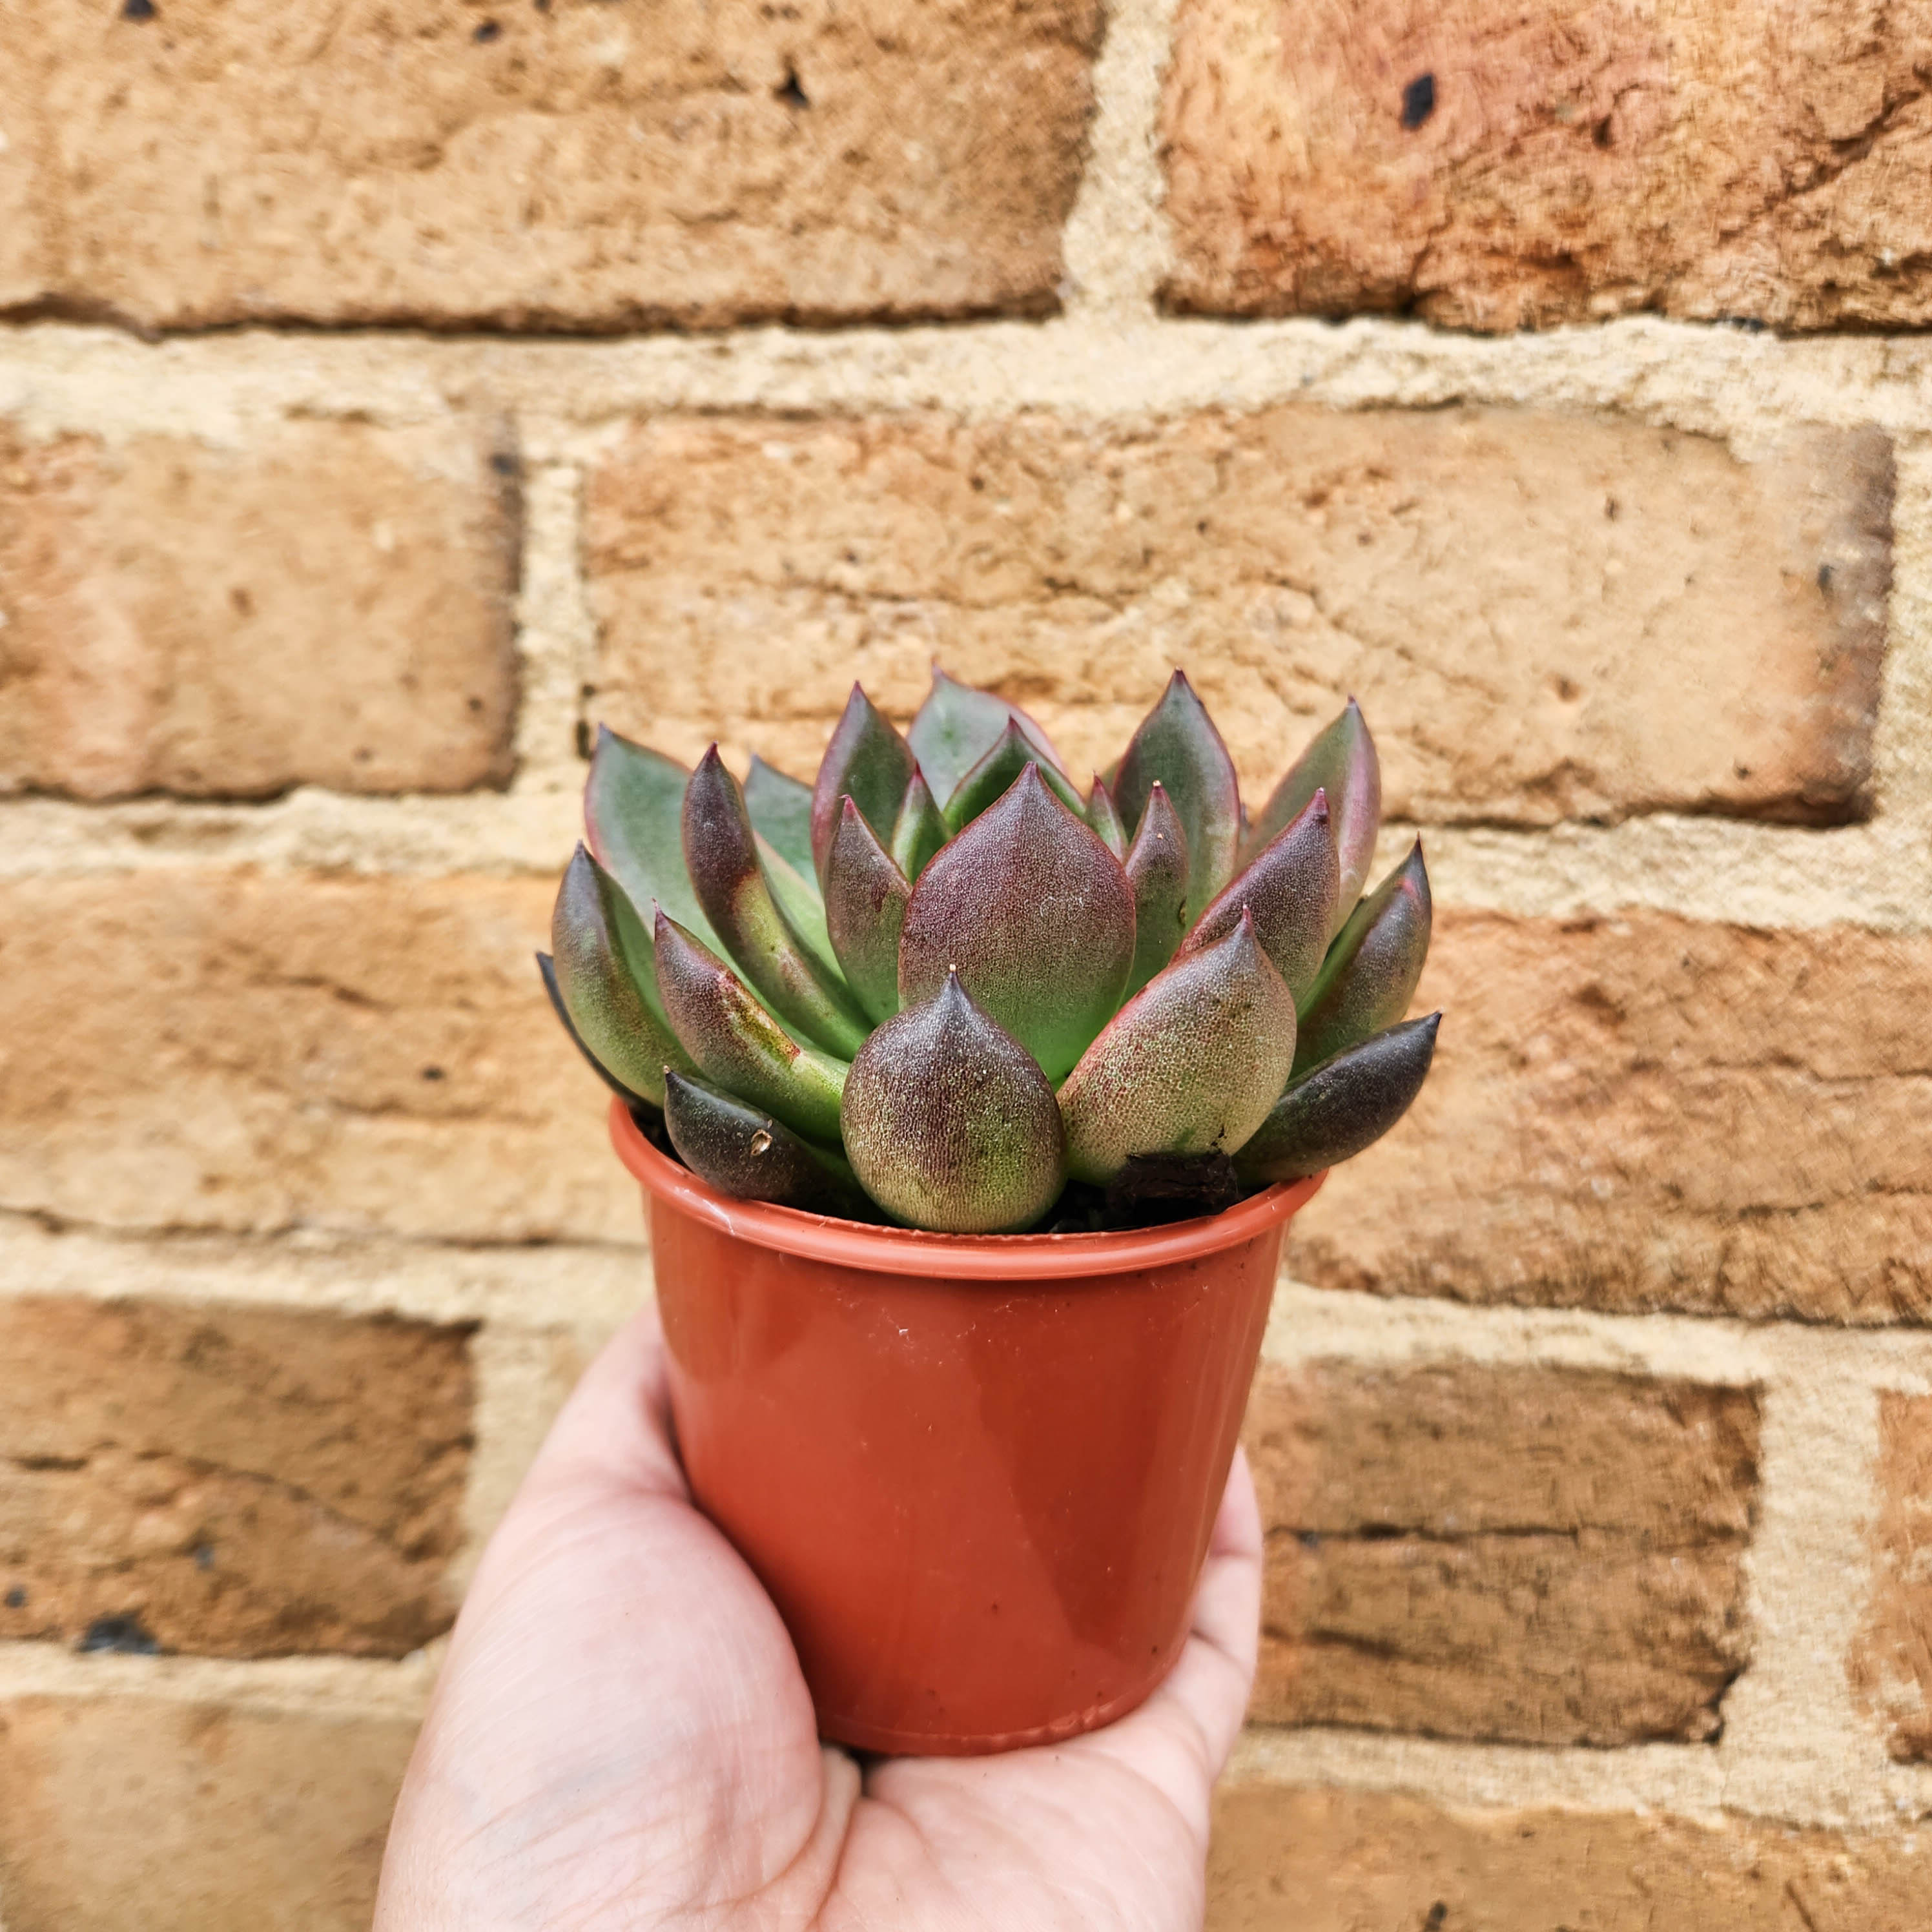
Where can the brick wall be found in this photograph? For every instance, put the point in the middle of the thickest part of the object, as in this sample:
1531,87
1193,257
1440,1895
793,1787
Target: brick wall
373,416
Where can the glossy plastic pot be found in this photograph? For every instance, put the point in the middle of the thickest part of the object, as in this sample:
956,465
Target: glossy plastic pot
976,1474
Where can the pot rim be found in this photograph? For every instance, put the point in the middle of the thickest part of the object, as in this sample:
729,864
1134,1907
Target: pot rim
916,1251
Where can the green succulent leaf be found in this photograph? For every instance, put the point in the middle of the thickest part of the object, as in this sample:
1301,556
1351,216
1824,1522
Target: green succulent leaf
547,971
634,817
1157,868
1037,916
1370,973
1290,886
865,900
721,856
780,808
1340,760
735,1043
1103,815
868,760
1177,744
949,1123
991,779
798,900
920,828
958,725
1333,1111
1190,1065
751,1156
590,926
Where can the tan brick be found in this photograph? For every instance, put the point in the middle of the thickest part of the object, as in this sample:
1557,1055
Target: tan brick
1545,616
1708,158
329,605
121,1812
579,165
1644,1111
1292,1859
1544,1555
196,1048
1891,1663
233,1481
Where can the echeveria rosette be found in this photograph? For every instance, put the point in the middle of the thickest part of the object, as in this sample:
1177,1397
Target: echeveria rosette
939,983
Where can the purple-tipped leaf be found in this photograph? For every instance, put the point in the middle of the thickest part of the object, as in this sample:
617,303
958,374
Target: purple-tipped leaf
1103,815
958,725
1037,916
1290,886
868,760
949,1123
991,779
920,830
865,900
737,1045
1369,976
780,810
1190,1065
1333,1111
751,1156
594,933
634,820
720,854
1341,760
546,972
1157,869
1177,744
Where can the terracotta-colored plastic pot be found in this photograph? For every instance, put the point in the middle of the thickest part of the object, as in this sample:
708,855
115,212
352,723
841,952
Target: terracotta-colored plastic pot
976,1474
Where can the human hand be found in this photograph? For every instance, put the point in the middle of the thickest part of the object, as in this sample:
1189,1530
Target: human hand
620,1738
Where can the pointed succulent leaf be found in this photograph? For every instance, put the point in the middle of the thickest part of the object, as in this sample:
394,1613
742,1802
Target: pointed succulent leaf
751,1156
1341,760
868,759
798,900
1177,744
547,971
1038,917
1103,815
634,816
1191,1064
958,725
737,1045
1290,886
721,853
607,1009
780,808
994,774
1369,976
1341,1106
949,1123
920,830
1157,868
865,900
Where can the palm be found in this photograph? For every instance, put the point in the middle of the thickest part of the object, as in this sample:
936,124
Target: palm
621,1739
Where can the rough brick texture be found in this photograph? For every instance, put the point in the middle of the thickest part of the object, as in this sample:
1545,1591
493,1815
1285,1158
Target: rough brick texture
1644,1111
121,1812
1544,1555
238,1481
1490,165
1292,1859
1891,1665
200,1048
330,605
1665,627
587,164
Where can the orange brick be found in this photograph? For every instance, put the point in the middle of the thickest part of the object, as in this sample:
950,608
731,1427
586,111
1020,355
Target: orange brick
1891,1664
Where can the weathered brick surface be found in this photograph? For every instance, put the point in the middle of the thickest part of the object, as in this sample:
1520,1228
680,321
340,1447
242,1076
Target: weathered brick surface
1289,1859
330,605
589,164
1492,166
1891,1664
1644,1111
1545,616
196,1048
120,1812
1544,1555
236,1481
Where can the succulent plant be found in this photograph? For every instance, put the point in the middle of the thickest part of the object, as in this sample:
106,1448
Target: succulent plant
943,986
